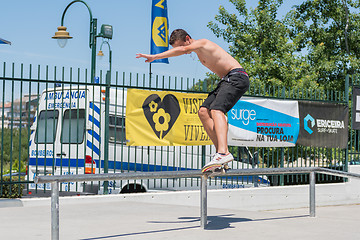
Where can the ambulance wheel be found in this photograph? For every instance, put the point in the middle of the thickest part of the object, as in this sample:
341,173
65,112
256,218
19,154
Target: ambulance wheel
133,188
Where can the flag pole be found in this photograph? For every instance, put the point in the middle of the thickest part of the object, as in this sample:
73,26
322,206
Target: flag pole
150,75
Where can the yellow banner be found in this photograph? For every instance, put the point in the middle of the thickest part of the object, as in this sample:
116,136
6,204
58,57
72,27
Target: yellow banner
163,118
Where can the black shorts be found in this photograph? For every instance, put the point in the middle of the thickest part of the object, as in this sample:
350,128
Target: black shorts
229,90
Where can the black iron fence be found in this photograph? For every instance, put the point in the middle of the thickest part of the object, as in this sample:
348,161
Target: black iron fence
43,133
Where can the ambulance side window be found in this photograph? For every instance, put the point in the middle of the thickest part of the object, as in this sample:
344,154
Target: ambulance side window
73,127
117,129
46,127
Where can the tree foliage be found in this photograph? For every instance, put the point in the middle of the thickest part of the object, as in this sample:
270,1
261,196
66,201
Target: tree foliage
208,84
304,48
11,150
319,28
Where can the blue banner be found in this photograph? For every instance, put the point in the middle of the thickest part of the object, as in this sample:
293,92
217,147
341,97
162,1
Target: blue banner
159,29
261,122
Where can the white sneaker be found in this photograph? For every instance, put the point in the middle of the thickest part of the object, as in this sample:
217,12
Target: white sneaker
220,159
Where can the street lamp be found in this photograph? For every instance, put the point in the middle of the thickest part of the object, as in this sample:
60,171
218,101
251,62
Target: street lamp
106,32
348,66
62,35
346,26
101,53
107,105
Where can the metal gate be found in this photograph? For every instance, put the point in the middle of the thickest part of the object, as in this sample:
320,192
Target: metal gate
21,87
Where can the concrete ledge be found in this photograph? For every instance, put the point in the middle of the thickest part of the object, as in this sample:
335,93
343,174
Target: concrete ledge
4,203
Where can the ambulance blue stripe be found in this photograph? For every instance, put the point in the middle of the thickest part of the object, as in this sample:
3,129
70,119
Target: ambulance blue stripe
64,162
96,108
94,120
93,147
95,135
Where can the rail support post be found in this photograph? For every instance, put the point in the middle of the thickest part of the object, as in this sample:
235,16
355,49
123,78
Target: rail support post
54,210
312,194
203,203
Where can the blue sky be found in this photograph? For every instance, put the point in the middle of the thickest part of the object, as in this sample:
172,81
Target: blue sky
29,25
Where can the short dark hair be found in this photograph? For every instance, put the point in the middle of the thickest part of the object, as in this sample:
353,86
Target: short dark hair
178,34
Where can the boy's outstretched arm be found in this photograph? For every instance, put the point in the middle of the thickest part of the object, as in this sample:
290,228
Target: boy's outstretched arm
149,57
177,51
174,52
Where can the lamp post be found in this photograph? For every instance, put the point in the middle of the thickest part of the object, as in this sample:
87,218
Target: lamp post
106,32
62,35
347,26
347,83
107,105
101,54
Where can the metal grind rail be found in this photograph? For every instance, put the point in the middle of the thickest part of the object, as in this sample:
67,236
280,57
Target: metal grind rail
56,179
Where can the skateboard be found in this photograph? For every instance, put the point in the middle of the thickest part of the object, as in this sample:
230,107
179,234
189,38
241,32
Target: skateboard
215,169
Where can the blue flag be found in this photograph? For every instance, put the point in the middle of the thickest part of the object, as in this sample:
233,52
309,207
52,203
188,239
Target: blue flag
159,29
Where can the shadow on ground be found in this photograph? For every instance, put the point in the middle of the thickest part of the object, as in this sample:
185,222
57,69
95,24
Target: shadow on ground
219,222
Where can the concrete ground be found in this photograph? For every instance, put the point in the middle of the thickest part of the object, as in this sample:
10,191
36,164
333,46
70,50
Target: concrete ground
134,220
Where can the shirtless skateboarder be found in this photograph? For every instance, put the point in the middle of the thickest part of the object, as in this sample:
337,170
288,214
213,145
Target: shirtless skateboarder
234,83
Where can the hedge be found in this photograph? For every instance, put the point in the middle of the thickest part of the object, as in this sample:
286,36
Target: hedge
16,189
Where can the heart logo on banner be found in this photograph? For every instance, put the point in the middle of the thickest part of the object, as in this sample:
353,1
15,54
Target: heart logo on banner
161,114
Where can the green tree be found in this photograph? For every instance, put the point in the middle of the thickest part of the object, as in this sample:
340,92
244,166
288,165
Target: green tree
306,48
206,85
10,159
261,43
319,29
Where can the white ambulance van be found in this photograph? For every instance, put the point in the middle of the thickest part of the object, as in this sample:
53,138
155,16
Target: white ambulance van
67,137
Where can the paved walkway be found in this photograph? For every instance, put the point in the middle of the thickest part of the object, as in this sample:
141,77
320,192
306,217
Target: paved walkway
132,220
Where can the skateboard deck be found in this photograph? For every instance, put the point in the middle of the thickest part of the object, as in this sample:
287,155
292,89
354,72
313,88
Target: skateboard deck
215,169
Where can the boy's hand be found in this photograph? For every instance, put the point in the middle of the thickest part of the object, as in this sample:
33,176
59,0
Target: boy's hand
149,58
